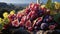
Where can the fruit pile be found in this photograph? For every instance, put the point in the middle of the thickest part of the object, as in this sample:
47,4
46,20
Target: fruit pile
34,17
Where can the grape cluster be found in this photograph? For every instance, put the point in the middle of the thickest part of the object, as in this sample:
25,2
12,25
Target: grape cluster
33,18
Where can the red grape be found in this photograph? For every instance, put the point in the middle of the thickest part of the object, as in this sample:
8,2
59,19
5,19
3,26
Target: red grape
36,6
28,24
51,27
32,15
27,10
5,26
15,23
30,28
19,15
38,21
12,17
31,6
47,11
22,22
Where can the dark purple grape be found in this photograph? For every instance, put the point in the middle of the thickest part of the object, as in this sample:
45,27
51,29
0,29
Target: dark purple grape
47,18
40,13
44,26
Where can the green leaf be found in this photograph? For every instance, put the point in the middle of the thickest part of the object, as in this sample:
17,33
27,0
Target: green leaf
6,20
1,26
57,18
50,5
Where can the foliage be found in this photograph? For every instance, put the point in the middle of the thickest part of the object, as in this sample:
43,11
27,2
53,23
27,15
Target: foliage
52,5
57,18
49,4
57,5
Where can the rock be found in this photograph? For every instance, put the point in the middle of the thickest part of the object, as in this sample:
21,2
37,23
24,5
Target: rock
48,32
40,32
21,31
